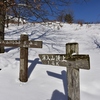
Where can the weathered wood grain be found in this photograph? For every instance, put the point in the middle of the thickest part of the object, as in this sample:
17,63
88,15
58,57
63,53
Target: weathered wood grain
73,63
73,74
17,43
79,61
24,44
23,75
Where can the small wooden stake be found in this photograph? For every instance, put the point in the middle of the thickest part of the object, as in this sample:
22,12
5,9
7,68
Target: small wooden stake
23,77
73,74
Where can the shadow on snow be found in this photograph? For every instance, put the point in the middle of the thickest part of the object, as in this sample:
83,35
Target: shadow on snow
32,66
57,95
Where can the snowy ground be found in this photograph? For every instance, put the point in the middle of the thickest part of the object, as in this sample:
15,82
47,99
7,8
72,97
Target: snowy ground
47,82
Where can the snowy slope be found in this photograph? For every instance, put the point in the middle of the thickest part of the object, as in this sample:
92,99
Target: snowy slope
49,82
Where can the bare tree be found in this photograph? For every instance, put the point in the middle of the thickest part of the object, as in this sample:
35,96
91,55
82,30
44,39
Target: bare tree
31,10
61,16
38,10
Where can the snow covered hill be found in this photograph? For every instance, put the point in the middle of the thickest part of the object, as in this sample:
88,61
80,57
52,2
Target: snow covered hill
46,82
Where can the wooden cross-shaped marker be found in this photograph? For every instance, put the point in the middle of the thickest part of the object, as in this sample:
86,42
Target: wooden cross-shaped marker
73,64
24,44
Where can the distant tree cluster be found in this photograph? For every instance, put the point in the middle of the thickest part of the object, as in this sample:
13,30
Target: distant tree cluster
66,16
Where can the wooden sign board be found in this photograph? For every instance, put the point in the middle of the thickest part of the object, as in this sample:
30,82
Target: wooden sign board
18,43
76,61
24,44
73,63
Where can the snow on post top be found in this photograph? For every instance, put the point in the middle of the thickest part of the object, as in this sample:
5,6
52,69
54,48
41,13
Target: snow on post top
24,33
72,41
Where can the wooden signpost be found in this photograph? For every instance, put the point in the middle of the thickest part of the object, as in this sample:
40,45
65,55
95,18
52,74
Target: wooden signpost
73,64
24,44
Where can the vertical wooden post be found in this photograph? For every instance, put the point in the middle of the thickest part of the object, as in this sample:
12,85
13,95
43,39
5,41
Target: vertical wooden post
1,38
73,74
2,22
23,77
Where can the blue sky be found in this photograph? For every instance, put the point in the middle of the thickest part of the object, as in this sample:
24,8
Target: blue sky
87,11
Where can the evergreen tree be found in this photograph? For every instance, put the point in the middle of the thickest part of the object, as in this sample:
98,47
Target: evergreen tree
69,18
